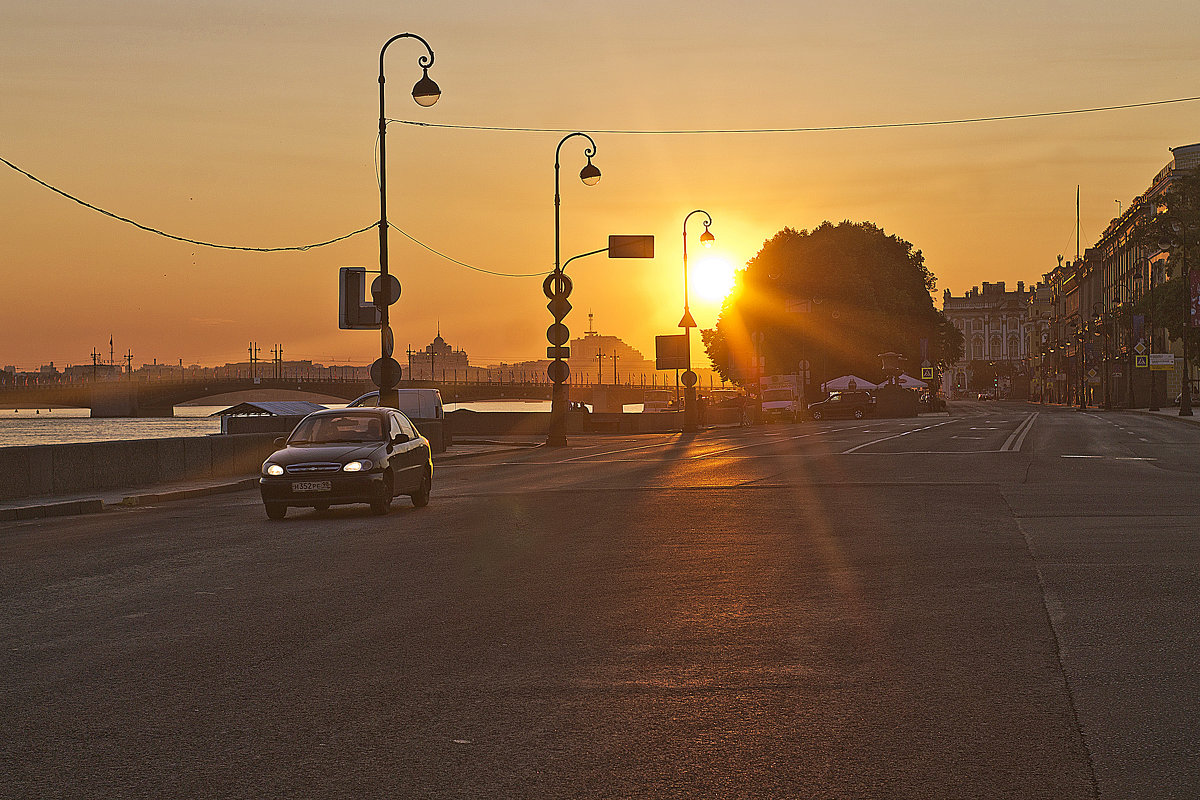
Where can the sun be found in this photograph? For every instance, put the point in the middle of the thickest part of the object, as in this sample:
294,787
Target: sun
710,278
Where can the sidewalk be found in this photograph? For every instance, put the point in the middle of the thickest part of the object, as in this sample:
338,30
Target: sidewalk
95,502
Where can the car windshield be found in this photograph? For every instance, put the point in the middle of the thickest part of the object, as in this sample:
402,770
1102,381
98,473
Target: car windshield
777,394
334,428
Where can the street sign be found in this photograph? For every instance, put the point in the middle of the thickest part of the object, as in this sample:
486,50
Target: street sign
1162,362
558,333
559,307
631,247
926,373
670,352
354,312
558,352
1140,348
689,378
385,294
1141,361
557,284
558,371
385,373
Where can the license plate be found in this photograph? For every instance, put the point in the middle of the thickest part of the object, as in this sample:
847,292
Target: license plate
311,486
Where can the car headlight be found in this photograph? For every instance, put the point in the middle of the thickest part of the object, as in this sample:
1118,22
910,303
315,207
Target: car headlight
357,466
273,470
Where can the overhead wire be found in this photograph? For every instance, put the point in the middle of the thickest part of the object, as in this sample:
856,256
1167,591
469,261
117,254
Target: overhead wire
166,235
812,129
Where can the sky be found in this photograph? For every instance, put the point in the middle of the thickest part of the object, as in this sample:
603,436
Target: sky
255,124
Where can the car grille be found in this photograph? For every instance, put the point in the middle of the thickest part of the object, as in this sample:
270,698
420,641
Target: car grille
312,469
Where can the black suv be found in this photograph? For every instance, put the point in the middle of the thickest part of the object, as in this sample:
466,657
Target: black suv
857,404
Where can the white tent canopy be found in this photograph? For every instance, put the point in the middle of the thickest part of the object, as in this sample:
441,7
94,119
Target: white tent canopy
843,383
909,382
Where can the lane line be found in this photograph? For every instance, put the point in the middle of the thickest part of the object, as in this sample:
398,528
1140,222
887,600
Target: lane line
1021,439
897,436
1025,423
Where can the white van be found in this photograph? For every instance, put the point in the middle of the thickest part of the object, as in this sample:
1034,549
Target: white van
415,403
658,401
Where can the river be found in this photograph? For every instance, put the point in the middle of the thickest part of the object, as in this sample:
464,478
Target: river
28,426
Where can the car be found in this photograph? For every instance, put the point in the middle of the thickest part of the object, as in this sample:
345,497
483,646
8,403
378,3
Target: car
415,403
340,456
857,404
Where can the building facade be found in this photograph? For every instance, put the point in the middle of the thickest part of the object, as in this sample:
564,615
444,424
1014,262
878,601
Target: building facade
997,333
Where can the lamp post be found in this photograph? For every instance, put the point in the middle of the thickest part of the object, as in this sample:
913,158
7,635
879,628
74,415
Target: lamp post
557,288
690,411
425,92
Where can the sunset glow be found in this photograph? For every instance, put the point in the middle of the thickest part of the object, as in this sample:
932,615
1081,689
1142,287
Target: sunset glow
710,278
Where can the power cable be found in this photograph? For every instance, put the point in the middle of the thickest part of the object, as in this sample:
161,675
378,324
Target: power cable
826,128
416,241
157,232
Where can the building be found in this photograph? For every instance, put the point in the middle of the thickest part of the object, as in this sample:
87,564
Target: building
1117,273
438,361
997,333
596,358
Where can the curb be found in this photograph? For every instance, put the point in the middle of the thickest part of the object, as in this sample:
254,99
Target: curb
68,508
184,494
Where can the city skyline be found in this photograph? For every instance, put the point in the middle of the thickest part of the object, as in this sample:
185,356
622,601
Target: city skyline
255,127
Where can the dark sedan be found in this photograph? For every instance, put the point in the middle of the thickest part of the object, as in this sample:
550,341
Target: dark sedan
339,456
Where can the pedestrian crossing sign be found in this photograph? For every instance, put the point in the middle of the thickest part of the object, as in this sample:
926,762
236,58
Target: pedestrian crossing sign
1141,361
926,373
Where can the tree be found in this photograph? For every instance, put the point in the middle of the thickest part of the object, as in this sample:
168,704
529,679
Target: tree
837,297
1172,227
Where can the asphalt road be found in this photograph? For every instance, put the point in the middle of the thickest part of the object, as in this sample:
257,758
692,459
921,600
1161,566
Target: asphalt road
1000,603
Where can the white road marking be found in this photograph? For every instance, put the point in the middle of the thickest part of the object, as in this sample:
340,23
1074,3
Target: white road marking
897,436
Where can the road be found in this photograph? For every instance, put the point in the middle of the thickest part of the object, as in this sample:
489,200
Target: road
999,603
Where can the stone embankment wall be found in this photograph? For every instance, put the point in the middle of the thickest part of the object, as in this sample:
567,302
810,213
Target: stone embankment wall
64,469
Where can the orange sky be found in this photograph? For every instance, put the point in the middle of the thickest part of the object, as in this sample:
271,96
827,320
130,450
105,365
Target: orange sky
254,124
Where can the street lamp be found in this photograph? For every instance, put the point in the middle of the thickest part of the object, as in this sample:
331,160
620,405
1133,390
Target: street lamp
557,287
425,92
690,411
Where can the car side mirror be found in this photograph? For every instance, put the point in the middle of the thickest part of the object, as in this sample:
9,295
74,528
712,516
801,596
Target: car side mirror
280,441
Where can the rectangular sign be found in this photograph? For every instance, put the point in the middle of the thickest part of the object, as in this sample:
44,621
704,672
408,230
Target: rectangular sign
558,352
1162,362
631,247
926,373
670,352
355,312
1141,361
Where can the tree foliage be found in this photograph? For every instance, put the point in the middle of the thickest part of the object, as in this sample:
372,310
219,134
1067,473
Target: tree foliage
836,296
1172,228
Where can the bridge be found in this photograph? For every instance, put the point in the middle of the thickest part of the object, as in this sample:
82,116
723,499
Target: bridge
158,398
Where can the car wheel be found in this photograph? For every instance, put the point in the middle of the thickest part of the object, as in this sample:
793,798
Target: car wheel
420,498
381,504
276,510
815,414
858,413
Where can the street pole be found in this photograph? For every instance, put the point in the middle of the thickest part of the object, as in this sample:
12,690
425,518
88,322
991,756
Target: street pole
691,414
425,93
590,175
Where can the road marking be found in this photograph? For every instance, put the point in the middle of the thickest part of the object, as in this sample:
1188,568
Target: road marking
1133,458
1014,442
897,436
1075,456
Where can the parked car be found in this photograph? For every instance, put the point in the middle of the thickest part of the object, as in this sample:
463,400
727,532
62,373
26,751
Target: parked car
856,404
340,456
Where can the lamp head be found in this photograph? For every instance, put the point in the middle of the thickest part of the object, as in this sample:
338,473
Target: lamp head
707,238
590,174
426,92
